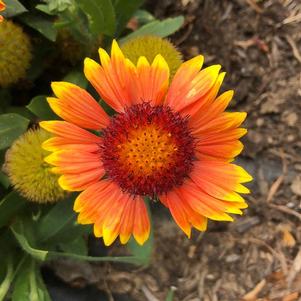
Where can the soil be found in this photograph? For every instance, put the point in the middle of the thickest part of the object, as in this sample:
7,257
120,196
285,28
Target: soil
257,257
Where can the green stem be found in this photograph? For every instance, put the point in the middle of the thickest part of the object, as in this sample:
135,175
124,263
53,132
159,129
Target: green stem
5,285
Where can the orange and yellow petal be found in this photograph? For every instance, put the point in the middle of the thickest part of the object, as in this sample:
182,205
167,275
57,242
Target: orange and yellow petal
216,131
190,85
77,106
2,8
121,84
127,222
219,151
210,193
79,169
79,182
182,212
58,143
141,225
210,112
201,203
70,132
113,213
111,79
150,81
202,104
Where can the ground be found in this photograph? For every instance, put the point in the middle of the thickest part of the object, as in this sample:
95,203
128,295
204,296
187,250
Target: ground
258,257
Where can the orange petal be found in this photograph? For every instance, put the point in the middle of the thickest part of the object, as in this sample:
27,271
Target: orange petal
150,82
220,137
112,221
58,143
71,132
77,106
226,150
183,214
79,182
79,169
202,104
201,202
112,79
66,157
2,7
211,111
174,203
192,88
94,202
141,227
225,121
225,175
127,221
113,213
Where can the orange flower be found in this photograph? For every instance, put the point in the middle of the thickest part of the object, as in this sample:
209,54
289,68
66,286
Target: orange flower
2,7
174,142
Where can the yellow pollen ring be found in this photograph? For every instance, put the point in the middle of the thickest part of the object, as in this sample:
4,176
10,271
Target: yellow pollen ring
147,150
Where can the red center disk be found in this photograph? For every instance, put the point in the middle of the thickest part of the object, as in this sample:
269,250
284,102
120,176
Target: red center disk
148,150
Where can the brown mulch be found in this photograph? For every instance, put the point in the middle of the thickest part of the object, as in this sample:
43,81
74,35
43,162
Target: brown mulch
258,257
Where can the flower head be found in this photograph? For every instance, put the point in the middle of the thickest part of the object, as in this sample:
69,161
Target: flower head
150,46
15,53
2,8
172,141
27,170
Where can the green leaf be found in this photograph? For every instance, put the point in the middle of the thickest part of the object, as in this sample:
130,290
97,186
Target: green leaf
160,28
40,107
4,180
143,252
11,127
59,6
124,11
77,246
101,16
6,283
22,111
61,218
121,259
18,229
42,25
143,16
9,205
13,8
45,9
170,294
76,78
29,284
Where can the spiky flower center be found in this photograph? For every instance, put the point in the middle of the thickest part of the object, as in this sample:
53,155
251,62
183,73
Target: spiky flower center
148,150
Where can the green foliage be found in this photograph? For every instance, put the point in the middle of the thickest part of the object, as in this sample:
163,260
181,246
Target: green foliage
9,206
143,16
23,233
40,107
170,295
160,28
29,284
76,78
56,221
13,8
101,16
124,11
11,127
40,24
7,280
